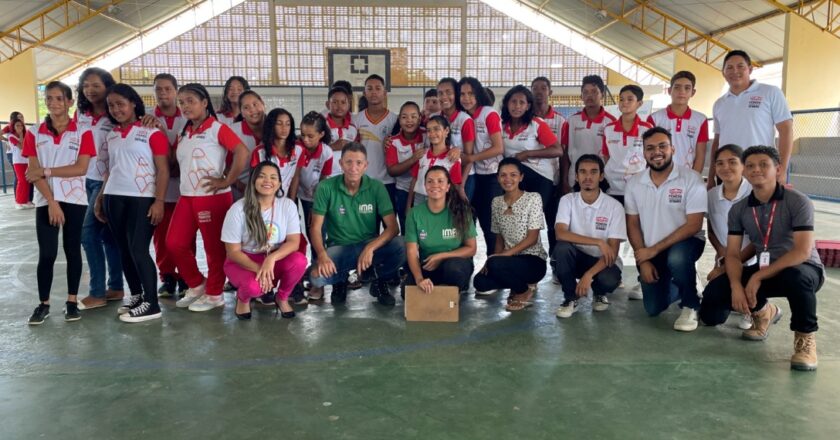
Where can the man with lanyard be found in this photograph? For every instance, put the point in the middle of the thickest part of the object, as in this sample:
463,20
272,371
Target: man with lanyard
779,222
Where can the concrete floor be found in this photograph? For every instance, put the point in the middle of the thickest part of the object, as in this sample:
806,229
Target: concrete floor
361,372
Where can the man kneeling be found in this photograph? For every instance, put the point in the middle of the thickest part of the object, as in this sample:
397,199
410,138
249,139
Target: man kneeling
349,207
780,224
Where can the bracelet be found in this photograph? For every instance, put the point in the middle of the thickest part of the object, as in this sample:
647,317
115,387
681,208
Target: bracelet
47,172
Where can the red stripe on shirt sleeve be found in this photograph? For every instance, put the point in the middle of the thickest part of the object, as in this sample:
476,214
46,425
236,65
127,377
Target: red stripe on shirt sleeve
255,156
468,131
87,145
227,138
650,120
391,157
455,173
29,149
604,150
494,123
159,143
545,136
326,171
703,136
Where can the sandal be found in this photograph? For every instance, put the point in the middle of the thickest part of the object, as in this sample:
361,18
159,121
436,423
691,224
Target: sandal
517,305
315,299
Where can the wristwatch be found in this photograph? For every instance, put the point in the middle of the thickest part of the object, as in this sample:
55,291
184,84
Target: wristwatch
47,172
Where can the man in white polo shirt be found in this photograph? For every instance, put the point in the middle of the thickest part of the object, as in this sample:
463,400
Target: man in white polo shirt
750,113
590,227
665,208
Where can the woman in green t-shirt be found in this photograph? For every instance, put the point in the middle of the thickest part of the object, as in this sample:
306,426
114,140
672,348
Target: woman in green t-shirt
440,236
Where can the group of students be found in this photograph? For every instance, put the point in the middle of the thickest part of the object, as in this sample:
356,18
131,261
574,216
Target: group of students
394,198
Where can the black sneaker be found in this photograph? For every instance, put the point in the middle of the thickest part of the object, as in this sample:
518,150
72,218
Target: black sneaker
182,286
356,285
339,293
383,292
71,311
167,289
266,299
143,312
298,296
133,301
40,314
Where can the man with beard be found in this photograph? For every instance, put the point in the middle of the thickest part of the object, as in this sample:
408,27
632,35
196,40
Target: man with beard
665,207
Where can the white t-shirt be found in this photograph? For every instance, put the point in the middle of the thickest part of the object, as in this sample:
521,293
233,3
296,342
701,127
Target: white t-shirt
487,122
63,150
582,135
99,126
718,213
372,135
750,118
534,136
313,166
202,152
401,149
249,138
601,220
346,131
280,221
288,165
172,126
624,153
687,130
664,209
130,155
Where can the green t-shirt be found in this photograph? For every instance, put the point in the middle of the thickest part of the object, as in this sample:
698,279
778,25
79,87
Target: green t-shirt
434,233
351,219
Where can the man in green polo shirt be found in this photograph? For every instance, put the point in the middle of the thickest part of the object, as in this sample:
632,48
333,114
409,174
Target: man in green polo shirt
349,207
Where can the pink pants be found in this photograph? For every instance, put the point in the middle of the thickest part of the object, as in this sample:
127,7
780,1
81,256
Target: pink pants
289,271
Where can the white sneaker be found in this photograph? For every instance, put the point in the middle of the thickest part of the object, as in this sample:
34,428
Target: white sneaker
29,205
635,292
486,292
18,206
207,302
687,322
745,323
567,309
191,296
600,303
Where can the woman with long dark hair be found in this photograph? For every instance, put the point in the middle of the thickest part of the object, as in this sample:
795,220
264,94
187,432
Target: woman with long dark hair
58,152
229,110
440,236
249,127
132,201
279,147
23,189
262,236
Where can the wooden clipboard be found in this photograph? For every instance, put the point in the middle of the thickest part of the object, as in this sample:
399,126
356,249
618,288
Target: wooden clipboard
439,306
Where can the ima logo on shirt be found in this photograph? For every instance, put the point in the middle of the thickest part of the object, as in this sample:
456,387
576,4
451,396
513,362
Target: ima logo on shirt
449,233
342,210
366,208
423,234
755,102
675,195
601,223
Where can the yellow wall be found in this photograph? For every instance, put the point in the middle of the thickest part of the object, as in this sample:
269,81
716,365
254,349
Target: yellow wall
19,87
812,65
616,80
710,82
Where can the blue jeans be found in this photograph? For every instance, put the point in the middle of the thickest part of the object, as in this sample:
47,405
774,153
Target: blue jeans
486,188
469,188
677,277
387,261
100,247
401,200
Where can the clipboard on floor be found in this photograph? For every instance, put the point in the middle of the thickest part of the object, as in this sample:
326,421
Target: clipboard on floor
442,305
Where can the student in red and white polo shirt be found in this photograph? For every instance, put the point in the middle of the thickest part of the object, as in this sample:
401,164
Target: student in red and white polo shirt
541,88
97,242
132,201
529,139
248,126
279,147
689,128
202,148
488,151
622,147
461,125
229,110
168,119
339,119
316,161
375,123
583,132
58,152
22,188
749,113
438,154
404,149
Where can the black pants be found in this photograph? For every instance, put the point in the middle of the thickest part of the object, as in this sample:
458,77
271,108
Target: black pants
799,284
74,216
451,272
514,273
486,188
133,231
534,182
570,263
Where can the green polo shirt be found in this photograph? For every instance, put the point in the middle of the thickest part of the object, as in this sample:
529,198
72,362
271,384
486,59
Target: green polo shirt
434,233
351,219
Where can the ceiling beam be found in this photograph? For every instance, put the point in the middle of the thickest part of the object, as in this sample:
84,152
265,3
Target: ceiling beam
830,9
113,19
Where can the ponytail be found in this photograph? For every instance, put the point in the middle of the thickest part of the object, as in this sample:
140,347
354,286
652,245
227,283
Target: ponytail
68,95
198,90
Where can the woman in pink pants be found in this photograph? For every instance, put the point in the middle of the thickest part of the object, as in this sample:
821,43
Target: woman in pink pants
261,233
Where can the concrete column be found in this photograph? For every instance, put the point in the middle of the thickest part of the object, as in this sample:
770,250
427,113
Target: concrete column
811,65
20,88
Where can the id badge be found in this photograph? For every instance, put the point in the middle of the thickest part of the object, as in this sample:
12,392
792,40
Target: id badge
764,259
